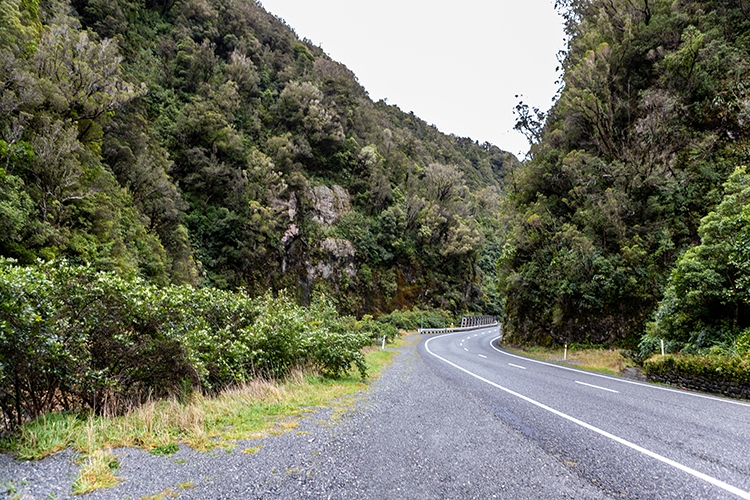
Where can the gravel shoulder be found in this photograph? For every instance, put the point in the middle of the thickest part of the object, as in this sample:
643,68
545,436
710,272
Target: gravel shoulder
413,434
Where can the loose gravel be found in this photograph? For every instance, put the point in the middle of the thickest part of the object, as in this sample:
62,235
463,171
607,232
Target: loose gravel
413,435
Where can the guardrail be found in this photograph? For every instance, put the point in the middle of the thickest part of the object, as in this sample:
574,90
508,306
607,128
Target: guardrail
456,329
478,320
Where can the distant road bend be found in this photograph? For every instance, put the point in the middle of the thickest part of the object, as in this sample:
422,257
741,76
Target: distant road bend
631,439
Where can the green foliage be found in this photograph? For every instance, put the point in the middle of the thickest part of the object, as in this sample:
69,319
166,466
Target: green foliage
711,368
165,450
416,318
74,338
648,125
377,329
185,143
706,299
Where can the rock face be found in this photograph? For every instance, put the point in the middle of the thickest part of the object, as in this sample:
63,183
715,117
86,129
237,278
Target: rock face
330,261
329,203
337,254
338,248
340,257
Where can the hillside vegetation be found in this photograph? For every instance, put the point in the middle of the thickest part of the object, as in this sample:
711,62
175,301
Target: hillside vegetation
202,142
192,197
652,118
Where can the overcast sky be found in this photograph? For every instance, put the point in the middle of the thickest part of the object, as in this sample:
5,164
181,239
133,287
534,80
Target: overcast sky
457,65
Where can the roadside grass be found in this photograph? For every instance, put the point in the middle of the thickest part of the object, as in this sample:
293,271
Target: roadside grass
170,493
591,359
97,471
255,410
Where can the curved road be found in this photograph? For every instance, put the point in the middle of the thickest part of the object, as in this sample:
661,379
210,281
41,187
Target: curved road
454,418
631,439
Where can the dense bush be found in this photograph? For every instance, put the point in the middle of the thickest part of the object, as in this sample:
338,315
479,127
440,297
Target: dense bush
625,164
195,142
73,338
376,330
706,300
416,318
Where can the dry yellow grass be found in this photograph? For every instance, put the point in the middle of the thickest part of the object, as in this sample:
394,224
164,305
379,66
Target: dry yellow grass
593,359
253,410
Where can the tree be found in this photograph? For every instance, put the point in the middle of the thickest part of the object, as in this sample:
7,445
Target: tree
707,300
632,155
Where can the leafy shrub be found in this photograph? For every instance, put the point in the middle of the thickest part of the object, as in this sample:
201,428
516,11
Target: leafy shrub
706,300
376,330
700,372
416,318
73,338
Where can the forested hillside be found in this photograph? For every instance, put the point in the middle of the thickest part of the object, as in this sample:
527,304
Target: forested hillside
202,142
652,118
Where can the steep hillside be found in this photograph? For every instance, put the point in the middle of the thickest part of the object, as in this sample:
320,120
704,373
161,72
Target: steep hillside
202,141
652,119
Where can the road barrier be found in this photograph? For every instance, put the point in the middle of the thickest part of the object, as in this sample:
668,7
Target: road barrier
478,320
451,329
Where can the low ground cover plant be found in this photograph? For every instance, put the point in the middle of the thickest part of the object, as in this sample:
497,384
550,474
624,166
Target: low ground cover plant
712,368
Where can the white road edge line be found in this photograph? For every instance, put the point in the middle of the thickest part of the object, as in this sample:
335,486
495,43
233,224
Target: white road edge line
597,387
705,477
517,366
624,381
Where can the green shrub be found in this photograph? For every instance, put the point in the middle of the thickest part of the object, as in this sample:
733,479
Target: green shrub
376,330
76,339
414,319
717,368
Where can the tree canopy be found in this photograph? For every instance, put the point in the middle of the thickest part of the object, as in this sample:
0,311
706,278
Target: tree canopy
203,142
650,121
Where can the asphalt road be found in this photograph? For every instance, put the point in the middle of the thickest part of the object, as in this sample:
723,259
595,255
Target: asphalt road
630,439
453,418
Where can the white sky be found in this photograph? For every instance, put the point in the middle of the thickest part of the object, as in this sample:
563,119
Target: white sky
457,65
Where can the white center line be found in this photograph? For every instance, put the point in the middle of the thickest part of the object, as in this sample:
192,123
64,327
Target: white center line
597,387
465,349
517,366
483,356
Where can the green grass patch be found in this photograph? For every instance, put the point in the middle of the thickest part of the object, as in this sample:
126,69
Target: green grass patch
97,472
165,450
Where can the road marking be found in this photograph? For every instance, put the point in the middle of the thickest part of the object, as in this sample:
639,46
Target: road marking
517,366
705,477
465,349
623,381
597,387
483,356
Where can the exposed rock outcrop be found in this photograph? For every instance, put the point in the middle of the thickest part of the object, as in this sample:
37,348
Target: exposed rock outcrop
329,203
